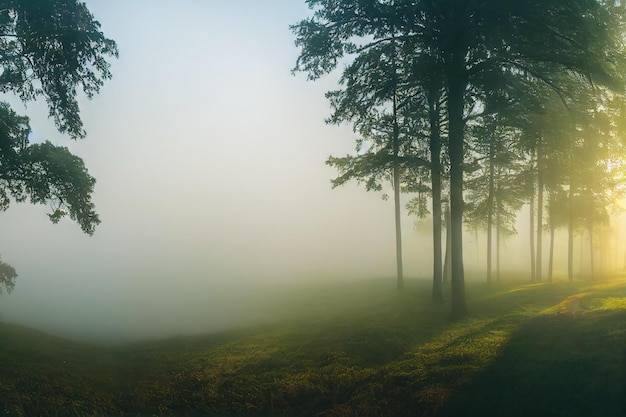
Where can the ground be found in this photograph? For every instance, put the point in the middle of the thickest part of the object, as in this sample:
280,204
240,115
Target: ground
359,349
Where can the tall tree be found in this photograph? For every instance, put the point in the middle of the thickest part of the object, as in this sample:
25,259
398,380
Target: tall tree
434,99
376,101
475,41
496,189
49,49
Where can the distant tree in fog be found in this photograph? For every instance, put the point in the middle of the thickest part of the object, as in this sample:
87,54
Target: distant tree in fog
577,152
497,186
7,277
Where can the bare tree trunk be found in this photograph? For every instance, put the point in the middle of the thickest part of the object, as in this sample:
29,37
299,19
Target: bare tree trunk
581,255
477,246
456,134
551,260
447,268
498,244
539,212
490,208
570,233
533,276
435,175
498,209
591,257
396,195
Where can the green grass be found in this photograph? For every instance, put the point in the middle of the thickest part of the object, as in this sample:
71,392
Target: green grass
358,349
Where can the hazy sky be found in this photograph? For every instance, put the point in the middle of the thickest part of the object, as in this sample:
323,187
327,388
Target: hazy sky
209,159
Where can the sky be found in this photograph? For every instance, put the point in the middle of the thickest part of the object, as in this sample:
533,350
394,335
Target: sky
211,184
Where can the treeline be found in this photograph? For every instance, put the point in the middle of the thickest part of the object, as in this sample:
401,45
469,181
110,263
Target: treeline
478,108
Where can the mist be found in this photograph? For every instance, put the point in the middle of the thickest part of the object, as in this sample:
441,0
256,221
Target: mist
211,186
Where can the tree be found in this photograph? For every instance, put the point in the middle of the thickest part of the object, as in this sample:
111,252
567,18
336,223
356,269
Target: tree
474,42
434,97
542,39
375,101
557,217
49,49
7,277
496,189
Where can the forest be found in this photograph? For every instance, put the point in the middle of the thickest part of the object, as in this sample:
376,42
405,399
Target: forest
479,108
471,116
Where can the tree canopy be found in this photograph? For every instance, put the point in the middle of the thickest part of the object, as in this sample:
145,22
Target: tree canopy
50,49
53,49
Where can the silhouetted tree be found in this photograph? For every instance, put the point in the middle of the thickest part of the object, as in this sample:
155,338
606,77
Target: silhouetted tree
50,49
378,103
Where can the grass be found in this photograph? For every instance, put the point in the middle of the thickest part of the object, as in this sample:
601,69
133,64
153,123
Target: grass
357,349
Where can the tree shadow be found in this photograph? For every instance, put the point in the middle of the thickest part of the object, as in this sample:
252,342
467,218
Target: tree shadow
553,365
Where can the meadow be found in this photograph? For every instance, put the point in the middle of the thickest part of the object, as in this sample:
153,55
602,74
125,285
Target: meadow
358,349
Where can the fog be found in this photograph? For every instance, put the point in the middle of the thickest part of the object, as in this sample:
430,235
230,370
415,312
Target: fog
209,159
211,184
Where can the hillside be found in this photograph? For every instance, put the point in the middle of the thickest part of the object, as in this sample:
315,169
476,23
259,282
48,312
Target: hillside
359,349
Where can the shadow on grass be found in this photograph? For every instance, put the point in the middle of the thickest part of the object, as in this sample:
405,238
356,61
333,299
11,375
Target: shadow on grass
553,365
344,352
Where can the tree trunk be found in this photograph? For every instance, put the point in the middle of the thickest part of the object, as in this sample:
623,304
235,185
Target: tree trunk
498,244
581,254
490,208
539,212
498,208
590,228
551,259
570,233
435,175
533,271
396,195
447,267
456,128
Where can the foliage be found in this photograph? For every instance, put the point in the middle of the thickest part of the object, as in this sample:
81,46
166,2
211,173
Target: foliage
51,48
499,183
43,174
7,277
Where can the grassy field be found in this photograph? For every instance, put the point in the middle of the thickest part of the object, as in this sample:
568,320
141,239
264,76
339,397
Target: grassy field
358,349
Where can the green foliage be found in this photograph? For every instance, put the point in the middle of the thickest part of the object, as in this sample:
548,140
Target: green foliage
418,206
52,48
371,168
43,173
499,185
53,174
